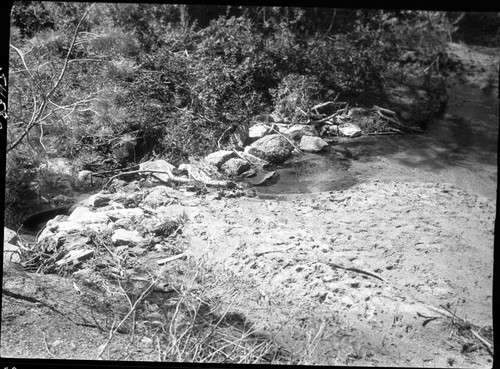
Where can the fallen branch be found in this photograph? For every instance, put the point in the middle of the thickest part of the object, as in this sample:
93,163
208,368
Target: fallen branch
382,133
47,346
242,157
182,256
483,341
357,270
384,110
327,118
222,135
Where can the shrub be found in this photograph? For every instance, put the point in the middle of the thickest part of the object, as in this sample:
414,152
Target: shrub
296,95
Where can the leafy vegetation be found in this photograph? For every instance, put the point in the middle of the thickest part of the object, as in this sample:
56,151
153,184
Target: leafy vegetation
109,85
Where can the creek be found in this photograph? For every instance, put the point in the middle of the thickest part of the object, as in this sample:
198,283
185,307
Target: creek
460,148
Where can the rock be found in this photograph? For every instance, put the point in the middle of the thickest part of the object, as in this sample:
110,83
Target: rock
253,159
98,200
214,196
75,257
312,144
75,241
296,131
235,166
125,237
158,196
257,131
239,137
116,214
219,157
11,252
252,172
272,148
350,130
83,214
84,178
185,167
9,235
264,178
159,165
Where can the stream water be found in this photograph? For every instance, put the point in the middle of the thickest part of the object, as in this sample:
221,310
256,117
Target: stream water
458,148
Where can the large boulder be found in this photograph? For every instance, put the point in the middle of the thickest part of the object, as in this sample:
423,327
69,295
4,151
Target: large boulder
235,166
296,131
272,148
312,144
219,157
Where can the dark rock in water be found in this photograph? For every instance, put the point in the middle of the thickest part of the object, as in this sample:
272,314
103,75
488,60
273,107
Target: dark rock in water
41,217
264,178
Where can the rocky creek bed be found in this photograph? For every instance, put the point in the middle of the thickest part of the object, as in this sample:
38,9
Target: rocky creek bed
395,269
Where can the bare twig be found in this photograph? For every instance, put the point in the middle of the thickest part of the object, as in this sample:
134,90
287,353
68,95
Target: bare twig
172,258
131,311
483,341
357,270
47,346
39,110
222,135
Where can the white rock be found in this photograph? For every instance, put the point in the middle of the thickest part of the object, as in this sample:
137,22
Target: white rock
9,235
116,214
158,165
257,131
350,130
296,131
125,237
186,167
83,215
68,227
10,252
312,144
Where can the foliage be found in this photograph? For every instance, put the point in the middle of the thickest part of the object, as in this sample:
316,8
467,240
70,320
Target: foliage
145,81
296,95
